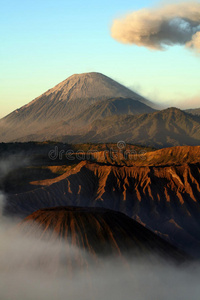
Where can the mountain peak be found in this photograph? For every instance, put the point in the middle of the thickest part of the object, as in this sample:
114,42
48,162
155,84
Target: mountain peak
91,85
62,103
87,74
83,76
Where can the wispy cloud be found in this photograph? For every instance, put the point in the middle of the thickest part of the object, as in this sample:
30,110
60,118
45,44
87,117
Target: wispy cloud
157,28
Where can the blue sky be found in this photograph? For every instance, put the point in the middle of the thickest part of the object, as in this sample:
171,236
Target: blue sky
44,42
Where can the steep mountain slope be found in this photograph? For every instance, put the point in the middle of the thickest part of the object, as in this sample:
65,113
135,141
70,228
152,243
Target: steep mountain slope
62,103
98,231
111,107
163,196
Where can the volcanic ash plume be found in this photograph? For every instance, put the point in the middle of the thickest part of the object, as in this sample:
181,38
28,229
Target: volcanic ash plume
156,28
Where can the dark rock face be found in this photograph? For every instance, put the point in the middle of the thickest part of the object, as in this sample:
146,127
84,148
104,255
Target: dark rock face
98,231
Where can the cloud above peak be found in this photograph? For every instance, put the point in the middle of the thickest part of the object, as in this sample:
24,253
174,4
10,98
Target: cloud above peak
160,27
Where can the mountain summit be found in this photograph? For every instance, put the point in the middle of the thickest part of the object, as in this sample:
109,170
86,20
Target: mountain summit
62,103
92,85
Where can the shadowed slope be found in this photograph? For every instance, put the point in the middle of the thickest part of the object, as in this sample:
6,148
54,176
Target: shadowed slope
98,231
111,107
166,128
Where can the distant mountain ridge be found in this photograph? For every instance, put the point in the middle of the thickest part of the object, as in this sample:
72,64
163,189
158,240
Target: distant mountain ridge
166,128
194,111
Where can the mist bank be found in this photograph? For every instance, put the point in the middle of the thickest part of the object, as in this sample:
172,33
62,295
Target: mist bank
30,270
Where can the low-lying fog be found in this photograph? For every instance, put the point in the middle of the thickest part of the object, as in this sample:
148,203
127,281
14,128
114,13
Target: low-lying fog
30,270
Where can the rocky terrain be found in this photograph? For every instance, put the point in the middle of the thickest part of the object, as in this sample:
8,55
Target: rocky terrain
161,192
97,231
113,136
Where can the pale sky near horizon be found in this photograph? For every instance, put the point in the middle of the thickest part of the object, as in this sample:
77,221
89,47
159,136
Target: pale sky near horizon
44,42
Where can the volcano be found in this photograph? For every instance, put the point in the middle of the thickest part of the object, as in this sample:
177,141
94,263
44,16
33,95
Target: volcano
99,231
64,102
